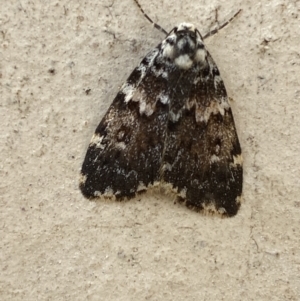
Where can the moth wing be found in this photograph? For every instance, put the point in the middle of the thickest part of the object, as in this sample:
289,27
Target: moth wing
125,153
202,159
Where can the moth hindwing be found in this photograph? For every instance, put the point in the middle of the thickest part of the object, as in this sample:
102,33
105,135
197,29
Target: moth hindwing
170,124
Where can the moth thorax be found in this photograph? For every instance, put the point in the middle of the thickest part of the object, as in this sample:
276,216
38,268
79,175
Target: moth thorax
184,47
185,43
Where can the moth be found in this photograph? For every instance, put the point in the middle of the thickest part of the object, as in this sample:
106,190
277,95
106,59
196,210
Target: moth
170,125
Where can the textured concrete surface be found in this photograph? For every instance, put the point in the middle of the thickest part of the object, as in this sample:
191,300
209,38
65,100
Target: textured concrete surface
61,64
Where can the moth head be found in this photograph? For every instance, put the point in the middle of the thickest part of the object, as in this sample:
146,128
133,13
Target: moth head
184,46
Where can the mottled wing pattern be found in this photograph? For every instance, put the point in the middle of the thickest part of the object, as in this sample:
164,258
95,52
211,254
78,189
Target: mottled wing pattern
125,153
202,157
171,123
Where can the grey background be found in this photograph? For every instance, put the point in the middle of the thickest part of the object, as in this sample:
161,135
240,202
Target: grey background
56,245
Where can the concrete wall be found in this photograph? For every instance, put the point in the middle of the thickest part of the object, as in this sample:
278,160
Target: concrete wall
61,63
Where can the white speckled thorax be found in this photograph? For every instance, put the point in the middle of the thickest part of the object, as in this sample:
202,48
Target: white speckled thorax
184,46
186,26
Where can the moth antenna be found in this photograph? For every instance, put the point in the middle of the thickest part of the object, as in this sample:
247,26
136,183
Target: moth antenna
211,33
148,18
